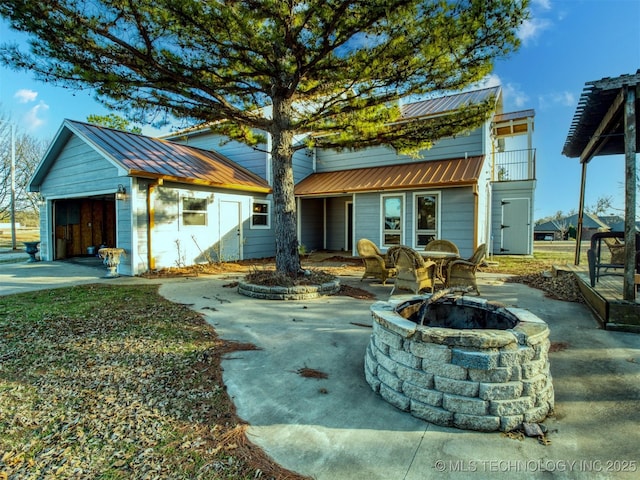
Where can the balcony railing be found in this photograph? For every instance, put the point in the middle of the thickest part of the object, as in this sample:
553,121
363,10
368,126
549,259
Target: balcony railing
514,165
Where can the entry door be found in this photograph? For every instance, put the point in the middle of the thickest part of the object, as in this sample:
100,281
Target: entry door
515,227
230,230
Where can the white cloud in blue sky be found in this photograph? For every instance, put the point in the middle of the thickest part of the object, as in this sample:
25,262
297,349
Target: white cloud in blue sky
532,28
25,96
563,99
33,118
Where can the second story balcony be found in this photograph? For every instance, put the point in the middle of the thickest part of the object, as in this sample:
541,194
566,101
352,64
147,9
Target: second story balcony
513,165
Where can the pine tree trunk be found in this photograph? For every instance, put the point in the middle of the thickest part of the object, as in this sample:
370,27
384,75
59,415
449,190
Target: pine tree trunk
287,259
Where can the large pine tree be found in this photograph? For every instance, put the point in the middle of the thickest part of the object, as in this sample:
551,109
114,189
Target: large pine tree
333,69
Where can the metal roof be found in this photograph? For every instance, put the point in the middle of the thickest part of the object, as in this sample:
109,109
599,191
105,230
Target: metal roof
423,108
519,115
596,102
590,221
429,174
439,105
150,157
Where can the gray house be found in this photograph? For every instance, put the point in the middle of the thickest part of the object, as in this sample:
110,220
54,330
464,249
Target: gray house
195,197
475,188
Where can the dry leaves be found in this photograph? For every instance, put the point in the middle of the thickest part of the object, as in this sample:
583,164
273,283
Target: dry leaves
116,382
560,287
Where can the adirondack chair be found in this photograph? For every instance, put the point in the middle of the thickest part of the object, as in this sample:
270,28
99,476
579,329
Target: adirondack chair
463,272
376,264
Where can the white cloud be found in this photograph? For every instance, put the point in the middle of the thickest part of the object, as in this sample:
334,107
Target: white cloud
514,97
25,96
33,118
563,99
491,80
543,4
532,28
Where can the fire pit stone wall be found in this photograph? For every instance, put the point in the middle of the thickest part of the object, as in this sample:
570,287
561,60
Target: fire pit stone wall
472,379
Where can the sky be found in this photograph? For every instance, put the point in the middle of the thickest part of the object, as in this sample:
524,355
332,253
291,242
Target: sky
565,44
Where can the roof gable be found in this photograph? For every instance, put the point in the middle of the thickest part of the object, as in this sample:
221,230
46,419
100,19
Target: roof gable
142,156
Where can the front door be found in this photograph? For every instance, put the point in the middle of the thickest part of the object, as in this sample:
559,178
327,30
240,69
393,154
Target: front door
230,230
515,228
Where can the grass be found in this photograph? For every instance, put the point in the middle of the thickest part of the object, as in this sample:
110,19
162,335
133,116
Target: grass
112,382
22,235
541,260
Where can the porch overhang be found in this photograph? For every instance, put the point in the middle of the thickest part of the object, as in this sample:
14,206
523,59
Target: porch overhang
605,123
408,176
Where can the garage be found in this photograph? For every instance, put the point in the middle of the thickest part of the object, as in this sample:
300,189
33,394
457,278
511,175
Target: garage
83,225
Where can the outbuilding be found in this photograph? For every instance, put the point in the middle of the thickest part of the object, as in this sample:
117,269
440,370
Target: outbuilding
164,203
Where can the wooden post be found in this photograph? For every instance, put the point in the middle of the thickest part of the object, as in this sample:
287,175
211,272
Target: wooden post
583,181
630,139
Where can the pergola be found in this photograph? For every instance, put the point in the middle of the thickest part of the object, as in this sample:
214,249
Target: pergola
605,124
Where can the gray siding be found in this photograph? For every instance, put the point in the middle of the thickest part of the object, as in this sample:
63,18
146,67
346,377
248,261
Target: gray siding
302,164
456,223
504,190
79,170
311,223
366,214
45,232
124,234
336,222
331,160
259,242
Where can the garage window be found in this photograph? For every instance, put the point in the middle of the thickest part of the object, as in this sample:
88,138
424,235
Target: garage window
194,211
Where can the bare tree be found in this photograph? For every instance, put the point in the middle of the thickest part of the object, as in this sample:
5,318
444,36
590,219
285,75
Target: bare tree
602,206
28,152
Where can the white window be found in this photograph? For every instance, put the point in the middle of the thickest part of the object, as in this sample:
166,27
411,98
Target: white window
261,214
392,220
194,211
427,217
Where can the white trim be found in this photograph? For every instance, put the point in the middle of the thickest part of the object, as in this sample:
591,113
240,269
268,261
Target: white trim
269,205
190,194
401,196
414,229
346,225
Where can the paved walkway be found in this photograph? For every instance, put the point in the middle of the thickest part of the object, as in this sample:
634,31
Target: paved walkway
337,428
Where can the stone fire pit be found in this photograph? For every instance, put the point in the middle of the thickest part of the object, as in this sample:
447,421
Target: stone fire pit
461,361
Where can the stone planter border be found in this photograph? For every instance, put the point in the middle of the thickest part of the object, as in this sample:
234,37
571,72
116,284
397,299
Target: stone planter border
300,292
